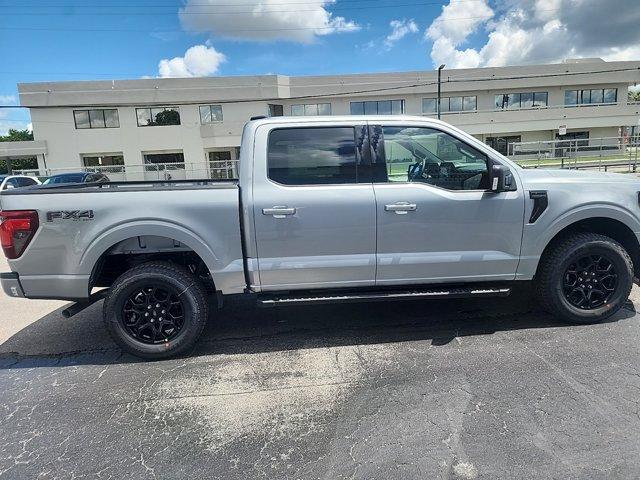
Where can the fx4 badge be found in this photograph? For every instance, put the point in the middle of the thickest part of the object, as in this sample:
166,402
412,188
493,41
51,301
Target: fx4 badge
74,215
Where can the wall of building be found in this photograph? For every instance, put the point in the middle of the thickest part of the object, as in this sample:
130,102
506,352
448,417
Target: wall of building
52,106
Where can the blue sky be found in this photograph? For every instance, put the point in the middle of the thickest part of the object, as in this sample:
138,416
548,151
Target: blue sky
73,39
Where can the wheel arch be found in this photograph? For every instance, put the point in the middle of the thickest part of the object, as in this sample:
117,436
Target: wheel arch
147,239
609,226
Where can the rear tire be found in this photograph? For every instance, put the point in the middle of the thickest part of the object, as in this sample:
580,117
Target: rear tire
156,310
584,278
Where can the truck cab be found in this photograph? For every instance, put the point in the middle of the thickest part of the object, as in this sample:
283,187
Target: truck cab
381,201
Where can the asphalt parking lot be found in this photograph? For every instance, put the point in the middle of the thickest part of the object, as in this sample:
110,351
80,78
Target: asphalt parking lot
424,390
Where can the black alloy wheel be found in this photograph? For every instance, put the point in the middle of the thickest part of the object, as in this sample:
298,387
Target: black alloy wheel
156,310
590,281
153,314
584,277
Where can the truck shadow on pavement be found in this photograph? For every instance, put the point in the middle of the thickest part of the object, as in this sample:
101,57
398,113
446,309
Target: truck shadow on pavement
241,327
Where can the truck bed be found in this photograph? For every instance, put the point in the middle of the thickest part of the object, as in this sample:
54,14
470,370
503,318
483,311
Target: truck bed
78,224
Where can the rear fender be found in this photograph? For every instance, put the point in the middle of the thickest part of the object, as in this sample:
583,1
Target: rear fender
123,232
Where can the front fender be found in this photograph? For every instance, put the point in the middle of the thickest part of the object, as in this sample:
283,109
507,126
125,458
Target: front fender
538,235
583,212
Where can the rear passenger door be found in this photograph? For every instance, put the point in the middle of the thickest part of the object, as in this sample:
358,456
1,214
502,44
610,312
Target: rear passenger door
313,206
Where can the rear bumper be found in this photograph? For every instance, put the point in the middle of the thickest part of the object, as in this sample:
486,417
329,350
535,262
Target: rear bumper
11,284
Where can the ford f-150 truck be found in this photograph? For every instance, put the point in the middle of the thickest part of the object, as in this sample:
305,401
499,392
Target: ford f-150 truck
326,209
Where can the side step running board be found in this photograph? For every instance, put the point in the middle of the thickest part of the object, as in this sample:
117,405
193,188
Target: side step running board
458,292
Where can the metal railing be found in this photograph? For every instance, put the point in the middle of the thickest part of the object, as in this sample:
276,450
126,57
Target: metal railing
218,170
528,109
605,153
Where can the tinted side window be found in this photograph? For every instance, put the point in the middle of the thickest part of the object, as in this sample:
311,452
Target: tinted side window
92,178
26,182
415,154
13,182
311,156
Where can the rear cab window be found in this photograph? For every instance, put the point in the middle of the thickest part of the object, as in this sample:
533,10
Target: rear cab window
312,156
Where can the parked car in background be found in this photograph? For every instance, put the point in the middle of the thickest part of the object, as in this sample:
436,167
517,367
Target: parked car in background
79,177
17,181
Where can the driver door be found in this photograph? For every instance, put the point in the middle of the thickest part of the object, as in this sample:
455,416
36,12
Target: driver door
437,219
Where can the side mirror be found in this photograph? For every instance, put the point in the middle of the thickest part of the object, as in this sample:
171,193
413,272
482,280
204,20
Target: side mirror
501,179
9,186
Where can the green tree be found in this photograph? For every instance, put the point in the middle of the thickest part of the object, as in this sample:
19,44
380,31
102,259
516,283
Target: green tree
17,136
18,163
634,96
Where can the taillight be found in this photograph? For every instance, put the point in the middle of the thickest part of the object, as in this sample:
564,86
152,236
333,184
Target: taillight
16,231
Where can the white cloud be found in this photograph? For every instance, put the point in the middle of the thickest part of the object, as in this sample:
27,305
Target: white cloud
535,31
628,53
8,100
399,30
264,19
198,61
458,20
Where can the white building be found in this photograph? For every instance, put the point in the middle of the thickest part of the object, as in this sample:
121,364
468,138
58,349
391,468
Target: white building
191,121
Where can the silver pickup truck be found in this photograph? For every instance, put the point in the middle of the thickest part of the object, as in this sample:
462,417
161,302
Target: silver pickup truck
327,209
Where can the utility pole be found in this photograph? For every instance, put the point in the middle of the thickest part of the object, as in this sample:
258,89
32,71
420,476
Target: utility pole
439,82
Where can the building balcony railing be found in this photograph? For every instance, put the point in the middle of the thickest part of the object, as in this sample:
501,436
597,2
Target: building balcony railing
529,109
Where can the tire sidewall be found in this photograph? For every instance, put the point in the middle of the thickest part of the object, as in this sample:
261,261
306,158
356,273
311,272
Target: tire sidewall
625,280
114,310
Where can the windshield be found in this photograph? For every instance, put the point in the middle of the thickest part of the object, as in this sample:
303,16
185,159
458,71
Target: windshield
65,178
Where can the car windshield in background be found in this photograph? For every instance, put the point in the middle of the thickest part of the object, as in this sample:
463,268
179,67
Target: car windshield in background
66,178
2,177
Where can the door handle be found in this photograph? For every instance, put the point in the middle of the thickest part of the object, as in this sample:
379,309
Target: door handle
401,208
279,211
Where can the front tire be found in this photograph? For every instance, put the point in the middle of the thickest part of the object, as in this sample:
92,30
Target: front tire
584,278
156,310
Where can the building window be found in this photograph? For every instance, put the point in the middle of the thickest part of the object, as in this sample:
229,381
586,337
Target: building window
157,116
210,114
96,118
580,139
276,110
107,163
429,105
593,96
379,107
97,160
514,101
503,144
222,166
155,158
311,109
450,104
164,166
